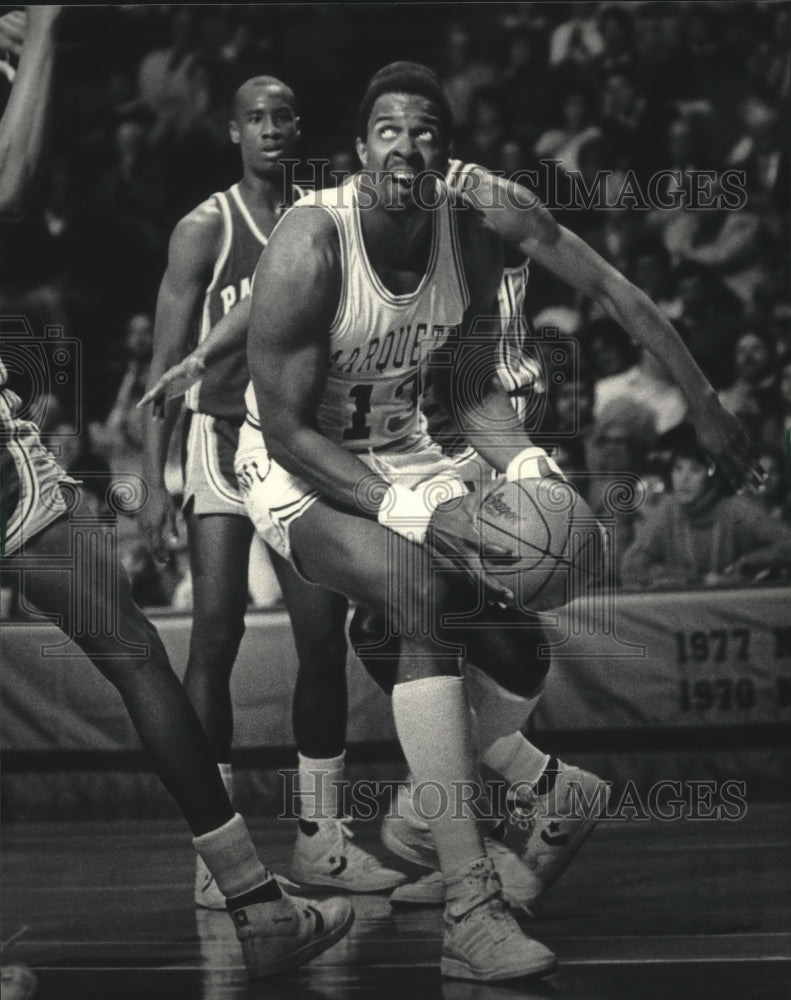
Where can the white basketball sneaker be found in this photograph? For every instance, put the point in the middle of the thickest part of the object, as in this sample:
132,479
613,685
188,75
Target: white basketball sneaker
482,940
546,830
408,836
325,856
278,935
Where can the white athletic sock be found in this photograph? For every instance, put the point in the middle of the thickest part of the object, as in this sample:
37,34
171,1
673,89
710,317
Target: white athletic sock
500,715
231,857
226,774
432,719
319,787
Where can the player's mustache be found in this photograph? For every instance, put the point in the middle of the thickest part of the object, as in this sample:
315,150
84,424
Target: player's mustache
409,162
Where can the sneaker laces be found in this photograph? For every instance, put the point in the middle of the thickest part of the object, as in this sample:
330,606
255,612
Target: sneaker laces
496,917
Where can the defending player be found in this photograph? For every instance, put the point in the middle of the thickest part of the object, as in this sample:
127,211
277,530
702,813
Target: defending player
277,932
213,254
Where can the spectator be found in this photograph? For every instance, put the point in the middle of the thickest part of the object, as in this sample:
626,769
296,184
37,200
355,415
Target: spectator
123,428
753,396
577,41
650,270
616,27
730,243
625,123
775,494
465,72
700,534
649,384
709,320
523,76
609,350
759,153
486,129
618,443
577,127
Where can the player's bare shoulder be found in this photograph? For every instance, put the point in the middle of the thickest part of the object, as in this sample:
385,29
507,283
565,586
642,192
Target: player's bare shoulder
197,239
307,233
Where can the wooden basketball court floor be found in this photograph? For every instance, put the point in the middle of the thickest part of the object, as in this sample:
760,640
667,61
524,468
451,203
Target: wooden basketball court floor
648,911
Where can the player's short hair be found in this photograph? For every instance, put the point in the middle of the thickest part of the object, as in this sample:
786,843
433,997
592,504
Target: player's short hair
260,82
405,78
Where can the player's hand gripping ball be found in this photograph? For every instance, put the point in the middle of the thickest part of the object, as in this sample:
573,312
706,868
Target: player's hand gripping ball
553,541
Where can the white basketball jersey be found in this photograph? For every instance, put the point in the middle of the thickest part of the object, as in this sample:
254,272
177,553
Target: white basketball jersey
517,368
379,341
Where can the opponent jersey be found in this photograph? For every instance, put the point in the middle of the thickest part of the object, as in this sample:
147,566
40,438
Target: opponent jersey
379,341
518,368
221,390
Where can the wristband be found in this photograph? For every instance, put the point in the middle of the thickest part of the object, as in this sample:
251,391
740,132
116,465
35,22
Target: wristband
532,463
405,512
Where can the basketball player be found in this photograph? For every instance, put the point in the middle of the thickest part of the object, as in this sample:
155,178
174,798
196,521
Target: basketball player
212,257
347,303
277,932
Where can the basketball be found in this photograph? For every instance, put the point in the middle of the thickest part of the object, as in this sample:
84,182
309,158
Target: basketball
551,530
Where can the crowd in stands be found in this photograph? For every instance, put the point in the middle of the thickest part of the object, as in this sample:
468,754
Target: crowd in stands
588,102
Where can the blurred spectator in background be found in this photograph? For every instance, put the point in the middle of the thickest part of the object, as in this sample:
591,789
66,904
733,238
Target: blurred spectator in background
648,384
576,128
702,535
511,156
133,183
626,125
122,434
486,126
649,267
616,28
165,75
732,244
775,496
762,153
524,74
754,395
618,443
464,72
709,320
609,350
577,41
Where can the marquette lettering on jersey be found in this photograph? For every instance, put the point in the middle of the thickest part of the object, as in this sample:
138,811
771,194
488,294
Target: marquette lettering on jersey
380,342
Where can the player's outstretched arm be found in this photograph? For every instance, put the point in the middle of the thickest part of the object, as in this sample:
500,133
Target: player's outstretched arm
24,125
193,250
226,337
295,295
522,222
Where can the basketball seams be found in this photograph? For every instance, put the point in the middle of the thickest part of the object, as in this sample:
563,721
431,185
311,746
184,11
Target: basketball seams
557,525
